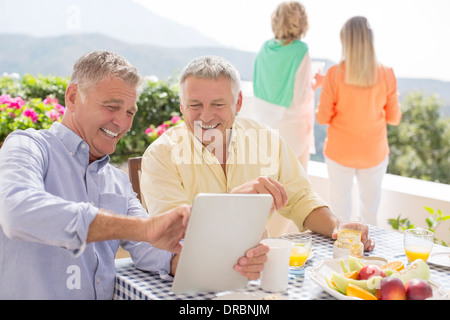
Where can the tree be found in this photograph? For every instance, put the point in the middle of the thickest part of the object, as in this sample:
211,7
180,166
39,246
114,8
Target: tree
420,144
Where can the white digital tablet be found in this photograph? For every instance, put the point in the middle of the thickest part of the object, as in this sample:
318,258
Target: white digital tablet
221,228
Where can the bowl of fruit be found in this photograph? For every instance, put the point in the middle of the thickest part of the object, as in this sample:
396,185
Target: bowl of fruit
352,279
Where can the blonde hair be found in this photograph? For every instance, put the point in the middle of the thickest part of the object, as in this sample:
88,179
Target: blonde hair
358,52
289,22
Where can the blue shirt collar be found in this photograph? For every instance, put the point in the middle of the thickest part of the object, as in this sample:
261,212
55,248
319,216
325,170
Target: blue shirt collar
75,144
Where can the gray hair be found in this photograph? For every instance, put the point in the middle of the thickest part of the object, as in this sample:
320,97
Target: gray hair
95,66
212,67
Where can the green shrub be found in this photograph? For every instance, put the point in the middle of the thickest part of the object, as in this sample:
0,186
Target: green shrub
44,86
29,87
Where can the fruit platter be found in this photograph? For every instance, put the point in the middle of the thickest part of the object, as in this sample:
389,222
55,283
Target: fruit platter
354,279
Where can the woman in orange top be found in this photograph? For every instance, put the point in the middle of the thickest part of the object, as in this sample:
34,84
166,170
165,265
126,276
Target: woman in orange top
359,97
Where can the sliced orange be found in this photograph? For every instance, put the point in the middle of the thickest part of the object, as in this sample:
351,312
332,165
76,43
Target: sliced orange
352,275
394,265
332,282
358,292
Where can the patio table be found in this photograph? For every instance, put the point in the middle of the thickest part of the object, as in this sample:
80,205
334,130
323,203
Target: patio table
132,283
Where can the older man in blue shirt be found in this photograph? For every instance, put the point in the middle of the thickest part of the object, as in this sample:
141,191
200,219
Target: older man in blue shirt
64,210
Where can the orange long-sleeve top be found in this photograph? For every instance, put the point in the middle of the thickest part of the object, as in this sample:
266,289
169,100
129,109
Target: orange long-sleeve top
358,117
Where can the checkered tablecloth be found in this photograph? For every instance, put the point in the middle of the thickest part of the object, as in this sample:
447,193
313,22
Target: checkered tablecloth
132,283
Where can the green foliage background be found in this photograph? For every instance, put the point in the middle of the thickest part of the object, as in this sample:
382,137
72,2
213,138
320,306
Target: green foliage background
420,144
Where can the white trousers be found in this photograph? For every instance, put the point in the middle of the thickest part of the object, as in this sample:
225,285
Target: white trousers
368,187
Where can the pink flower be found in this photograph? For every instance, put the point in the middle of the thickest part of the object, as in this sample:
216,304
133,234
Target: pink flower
30,113
161,129
175,119
61,109
5,99
53,115
154,133
16,103
50,101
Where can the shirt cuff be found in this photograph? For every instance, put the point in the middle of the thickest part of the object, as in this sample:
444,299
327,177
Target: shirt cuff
164,265
78,229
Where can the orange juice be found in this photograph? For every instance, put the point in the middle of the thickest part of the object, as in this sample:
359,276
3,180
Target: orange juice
299,255
418,243
413,253
350,232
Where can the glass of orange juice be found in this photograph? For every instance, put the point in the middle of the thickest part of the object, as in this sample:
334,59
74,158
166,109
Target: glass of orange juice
418,243
300,251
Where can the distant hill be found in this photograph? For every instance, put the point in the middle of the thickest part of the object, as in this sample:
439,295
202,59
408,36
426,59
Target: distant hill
428,87
124,20
56,55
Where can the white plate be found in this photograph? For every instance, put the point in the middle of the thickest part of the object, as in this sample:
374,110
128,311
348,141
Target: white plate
326,267
241,296
440,258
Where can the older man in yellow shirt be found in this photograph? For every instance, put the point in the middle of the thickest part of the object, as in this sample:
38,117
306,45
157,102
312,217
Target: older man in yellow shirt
212,151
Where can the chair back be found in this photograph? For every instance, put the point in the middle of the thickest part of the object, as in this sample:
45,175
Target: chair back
134,172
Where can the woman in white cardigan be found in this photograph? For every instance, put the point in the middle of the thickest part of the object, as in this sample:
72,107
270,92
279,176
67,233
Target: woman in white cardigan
284,84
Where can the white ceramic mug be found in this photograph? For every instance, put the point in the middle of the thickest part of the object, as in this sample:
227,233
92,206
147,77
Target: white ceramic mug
274,277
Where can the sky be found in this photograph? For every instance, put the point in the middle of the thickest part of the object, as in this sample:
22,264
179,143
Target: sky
411,36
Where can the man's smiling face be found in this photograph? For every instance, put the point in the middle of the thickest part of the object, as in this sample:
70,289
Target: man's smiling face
207,105
104,116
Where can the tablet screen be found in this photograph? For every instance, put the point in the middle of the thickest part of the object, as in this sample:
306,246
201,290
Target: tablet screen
221,228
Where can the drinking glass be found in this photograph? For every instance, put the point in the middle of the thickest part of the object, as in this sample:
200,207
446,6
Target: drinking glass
300,251
348,240
418,243
351,225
